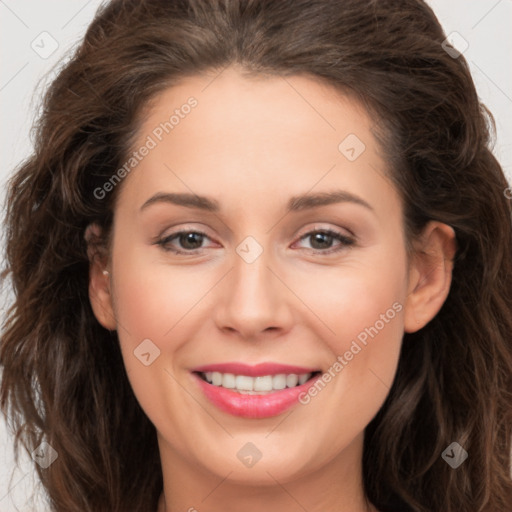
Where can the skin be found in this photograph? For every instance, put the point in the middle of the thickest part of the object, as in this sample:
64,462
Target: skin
251,144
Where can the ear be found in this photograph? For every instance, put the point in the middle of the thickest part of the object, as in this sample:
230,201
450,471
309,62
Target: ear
99,279
430,275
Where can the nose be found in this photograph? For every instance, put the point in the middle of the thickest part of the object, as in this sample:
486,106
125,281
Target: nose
253,302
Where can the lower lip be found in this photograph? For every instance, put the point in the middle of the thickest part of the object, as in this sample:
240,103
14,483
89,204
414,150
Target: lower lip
253,406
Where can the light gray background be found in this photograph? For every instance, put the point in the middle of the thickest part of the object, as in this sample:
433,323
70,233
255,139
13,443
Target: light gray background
484,24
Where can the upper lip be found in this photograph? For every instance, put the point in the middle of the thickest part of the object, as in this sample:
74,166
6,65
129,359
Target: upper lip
257,370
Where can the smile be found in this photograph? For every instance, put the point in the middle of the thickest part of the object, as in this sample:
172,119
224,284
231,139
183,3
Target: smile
255,385
260,391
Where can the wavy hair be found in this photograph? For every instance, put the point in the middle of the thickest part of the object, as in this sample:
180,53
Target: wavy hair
454,378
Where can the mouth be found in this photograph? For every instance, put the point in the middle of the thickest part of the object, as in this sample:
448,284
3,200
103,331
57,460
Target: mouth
260,385
260,391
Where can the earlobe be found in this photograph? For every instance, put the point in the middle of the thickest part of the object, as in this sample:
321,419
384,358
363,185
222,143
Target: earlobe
430,275
100,293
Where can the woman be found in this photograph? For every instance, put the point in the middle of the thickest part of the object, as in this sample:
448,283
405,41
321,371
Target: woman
261,259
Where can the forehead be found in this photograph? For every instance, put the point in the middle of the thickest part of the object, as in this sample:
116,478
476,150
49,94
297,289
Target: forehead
271,135
231,108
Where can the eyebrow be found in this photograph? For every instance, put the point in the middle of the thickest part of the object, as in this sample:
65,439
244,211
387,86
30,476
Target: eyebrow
305,201
188,200
295,203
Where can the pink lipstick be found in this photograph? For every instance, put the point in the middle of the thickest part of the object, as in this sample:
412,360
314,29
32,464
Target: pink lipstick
260,391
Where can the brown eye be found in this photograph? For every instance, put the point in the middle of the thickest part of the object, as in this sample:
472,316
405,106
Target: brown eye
183,242
190,240
323,241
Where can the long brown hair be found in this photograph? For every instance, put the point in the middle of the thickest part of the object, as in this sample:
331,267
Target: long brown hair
63,376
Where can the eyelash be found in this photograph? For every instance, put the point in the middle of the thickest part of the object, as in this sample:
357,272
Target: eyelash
344,240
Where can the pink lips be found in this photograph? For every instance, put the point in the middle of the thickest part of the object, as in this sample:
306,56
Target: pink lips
253,406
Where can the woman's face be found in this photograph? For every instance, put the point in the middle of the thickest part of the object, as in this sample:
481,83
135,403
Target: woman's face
294,267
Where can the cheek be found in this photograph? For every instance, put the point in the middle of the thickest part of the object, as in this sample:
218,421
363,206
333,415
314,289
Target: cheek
367,321
358,377
149,306
151,299
363,310
359,300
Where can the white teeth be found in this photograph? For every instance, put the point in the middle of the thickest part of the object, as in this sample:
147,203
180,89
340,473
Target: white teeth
303,378
217,378
228,380
244,383
292,380
263,383
256,385
279,381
